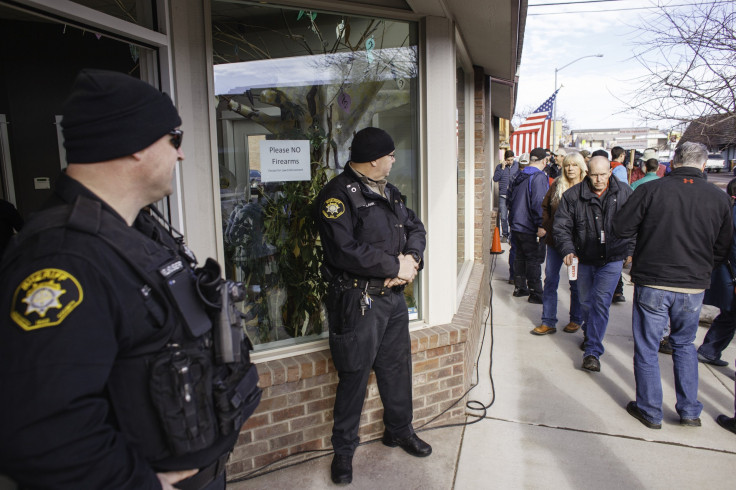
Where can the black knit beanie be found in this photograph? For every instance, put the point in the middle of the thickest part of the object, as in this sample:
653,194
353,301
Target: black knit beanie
370,144
110,115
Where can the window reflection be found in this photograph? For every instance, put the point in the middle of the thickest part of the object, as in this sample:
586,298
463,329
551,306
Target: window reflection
138,12
300,76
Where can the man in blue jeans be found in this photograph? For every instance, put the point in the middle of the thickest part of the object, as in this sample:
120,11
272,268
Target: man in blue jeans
582,229
683,228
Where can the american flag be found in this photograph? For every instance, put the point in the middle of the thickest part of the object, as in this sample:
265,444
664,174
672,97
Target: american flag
536,131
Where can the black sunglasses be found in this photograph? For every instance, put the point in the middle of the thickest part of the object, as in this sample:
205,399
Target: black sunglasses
176,137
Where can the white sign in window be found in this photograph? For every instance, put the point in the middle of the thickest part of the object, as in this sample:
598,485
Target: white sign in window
285,160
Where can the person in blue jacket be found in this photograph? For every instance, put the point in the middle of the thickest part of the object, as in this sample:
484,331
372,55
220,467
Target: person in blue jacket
525,220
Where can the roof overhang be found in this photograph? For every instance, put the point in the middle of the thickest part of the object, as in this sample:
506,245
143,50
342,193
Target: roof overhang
493,33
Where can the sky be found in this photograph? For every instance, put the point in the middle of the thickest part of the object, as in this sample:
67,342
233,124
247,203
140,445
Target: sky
591,87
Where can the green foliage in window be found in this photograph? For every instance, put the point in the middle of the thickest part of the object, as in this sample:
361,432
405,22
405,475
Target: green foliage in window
289,226
351,70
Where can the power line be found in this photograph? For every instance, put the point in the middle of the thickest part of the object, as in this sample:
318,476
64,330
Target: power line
627,9
573,3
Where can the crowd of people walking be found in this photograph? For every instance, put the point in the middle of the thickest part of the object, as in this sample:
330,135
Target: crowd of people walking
598,214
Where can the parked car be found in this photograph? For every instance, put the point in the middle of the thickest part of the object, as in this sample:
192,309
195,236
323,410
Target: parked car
715,163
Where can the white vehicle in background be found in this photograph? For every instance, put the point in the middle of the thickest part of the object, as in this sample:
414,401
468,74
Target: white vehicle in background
715,163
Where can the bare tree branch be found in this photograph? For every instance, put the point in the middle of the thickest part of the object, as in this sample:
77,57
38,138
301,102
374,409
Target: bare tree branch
690,60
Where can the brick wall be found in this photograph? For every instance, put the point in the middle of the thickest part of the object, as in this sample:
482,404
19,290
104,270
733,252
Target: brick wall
460,105
295,413
484,162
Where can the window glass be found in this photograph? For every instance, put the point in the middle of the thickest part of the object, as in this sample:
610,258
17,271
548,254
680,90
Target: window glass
460,138
135,11
291,89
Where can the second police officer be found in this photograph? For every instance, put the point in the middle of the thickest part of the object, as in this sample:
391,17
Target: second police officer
373,247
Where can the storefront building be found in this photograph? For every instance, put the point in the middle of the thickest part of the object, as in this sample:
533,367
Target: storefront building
270,94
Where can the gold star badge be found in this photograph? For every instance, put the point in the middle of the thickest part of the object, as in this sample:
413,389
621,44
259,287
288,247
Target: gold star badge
45,298
333,208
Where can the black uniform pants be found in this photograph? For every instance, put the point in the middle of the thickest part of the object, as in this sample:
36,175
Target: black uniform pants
529,256
377,339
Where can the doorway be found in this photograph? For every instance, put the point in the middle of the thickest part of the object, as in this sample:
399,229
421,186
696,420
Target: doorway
38,63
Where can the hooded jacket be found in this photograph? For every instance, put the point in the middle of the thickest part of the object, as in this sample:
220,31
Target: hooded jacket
525,200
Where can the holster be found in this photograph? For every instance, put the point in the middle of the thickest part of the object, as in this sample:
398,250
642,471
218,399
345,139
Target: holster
197,402
236,394
181,390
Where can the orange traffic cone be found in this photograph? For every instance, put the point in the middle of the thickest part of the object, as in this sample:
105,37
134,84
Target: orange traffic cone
496,245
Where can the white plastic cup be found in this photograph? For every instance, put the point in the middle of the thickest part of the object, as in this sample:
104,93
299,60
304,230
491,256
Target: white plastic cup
572,270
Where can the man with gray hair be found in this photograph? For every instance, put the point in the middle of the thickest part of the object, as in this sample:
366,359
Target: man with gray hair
683,228
582,230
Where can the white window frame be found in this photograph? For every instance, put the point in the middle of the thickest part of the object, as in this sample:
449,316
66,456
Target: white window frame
347,9
463,61
440,169
159,62
7,168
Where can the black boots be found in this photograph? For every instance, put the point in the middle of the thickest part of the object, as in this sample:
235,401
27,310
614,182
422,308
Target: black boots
412,444
342,468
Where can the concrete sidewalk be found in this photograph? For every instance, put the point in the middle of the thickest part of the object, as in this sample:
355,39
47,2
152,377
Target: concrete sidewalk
553,425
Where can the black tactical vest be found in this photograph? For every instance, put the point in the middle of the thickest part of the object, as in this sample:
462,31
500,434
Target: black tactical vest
171,399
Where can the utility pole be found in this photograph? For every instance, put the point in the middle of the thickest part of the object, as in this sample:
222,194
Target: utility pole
554,107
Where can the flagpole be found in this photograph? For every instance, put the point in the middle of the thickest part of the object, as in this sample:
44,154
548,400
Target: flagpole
554,103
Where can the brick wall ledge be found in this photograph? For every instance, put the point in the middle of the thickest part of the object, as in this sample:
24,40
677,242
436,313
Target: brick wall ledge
295,413
304,366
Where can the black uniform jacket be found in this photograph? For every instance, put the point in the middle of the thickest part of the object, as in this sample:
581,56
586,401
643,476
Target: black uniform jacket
73,319
363,234
582,219
683,227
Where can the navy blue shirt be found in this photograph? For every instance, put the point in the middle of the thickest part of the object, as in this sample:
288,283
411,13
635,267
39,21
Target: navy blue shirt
504,176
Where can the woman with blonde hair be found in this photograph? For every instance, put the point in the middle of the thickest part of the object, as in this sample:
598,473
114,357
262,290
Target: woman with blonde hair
574,171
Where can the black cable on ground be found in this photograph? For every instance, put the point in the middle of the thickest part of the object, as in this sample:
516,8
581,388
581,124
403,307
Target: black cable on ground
474,404
470,404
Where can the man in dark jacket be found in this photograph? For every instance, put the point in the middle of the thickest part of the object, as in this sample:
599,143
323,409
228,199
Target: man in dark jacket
504,175
582,229
107,349
373,247
525,219
683,228
554,169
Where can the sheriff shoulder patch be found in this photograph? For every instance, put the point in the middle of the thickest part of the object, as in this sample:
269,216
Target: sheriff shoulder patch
333,208
45,298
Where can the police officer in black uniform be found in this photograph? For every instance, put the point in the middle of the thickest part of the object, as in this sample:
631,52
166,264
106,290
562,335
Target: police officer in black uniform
112,373
373,246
